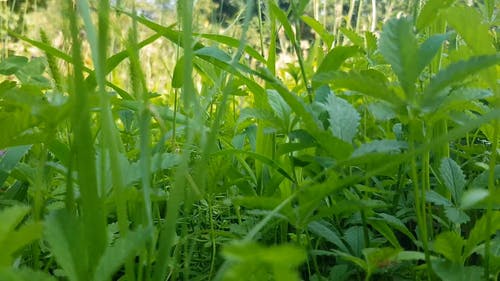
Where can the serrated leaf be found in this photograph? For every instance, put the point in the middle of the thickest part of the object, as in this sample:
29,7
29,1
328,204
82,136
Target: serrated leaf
343,118
457,72
64,233
453,178
398,44
450,244
436,198
456,215
353,36
380,146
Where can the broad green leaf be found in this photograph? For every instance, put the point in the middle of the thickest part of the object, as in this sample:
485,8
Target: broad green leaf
428,50
430,11
9,160
397,224
449,271
481,181
354,237
369,82
280,108
353,36
327,234
380,146
398,44
436,198
14,237
251,261
64,233
343,118
319,29
335,58
469,23
12,64
10,218
116,255
24,274
450,244
386,231
453,178
355,260
472,197
456,215
457,72
480,231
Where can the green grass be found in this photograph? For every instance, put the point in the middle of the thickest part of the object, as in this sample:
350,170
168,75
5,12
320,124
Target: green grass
373,155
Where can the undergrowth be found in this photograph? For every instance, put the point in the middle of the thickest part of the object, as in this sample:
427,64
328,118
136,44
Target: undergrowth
371,155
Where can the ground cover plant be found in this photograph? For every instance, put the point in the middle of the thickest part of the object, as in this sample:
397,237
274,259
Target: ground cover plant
250,140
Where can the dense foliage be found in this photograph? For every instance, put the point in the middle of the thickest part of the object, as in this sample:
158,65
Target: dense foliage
238,147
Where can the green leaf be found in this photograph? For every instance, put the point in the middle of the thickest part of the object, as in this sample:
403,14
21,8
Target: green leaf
397,224
480,231
251,261
64,233
453,178
335,58
457,72
319,29
472,197
386,231
9,160
353,36
280,108
398,45
369,82
429,49
14,237
380,146
469,23
436,198
450,244
343,118
449,271
12,64
24,274
328,234
456,215
282,18
122,249
430,11
379,258
178,76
